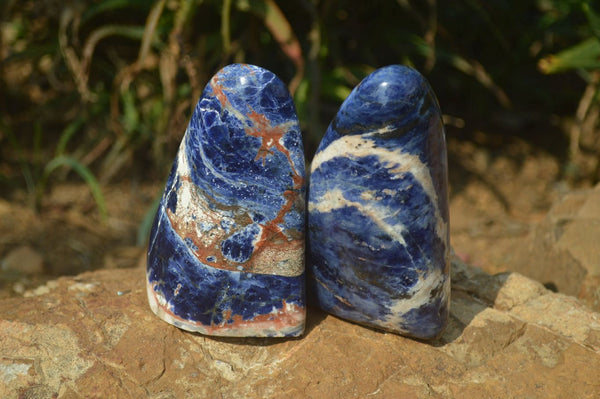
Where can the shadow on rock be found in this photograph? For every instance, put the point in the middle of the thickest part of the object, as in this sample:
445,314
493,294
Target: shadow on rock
473,291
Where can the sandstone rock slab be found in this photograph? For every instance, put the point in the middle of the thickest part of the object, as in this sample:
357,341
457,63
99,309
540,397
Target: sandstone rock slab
94,336
562,251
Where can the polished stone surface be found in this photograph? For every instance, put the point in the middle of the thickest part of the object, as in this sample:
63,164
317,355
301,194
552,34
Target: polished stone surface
226,253
378,208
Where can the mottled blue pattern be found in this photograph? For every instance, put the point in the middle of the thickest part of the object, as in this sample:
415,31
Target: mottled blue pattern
226,254
206,292
224,155
378,208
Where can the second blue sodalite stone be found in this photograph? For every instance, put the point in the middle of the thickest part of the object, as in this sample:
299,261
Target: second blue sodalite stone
226,252
378,208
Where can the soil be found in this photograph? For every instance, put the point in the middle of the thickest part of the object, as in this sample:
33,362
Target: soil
69,234
499,187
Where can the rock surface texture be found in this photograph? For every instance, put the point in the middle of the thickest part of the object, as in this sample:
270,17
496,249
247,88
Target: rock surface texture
226,253
94,336
378,208
566,247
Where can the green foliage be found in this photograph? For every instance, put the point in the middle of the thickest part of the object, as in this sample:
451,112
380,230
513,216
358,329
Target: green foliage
107,86
584,58
146,224
584,55
82,171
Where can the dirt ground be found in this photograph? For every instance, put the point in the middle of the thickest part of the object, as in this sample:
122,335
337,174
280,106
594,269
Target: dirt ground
496,193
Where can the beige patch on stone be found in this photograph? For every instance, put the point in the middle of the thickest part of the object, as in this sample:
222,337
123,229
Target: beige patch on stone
42,289
580,239
50,355
83,287
114,329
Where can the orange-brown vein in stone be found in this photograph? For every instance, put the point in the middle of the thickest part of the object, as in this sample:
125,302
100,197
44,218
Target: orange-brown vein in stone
270,137
206,246
288,317
272,235
219,92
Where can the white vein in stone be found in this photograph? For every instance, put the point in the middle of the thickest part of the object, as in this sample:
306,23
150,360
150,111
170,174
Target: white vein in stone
396,161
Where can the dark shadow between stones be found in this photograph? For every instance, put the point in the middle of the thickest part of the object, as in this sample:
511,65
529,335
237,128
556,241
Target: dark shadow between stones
468,299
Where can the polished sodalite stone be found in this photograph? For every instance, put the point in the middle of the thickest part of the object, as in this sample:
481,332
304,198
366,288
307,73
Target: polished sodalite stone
378,208
226,252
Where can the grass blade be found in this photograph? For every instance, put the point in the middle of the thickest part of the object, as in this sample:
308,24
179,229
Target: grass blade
225,28
585,55
146,225
66,135
282,32
83,172
112,5
593,19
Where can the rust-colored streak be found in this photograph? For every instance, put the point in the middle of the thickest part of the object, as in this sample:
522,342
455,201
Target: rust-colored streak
288,317
261,128
272,238
270,137
271,231
165,308
219,92
208,245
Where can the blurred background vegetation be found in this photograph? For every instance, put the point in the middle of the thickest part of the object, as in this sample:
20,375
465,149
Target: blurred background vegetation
102,90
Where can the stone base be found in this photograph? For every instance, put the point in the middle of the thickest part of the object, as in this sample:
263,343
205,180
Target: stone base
95,336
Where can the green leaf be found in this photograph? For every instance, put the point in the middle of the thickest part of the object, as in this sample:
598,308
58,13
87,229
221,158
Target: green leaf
281,30
585,55
144,229
33,51
466,66
130,32
113,5
67,133
225,29
593,19
82,171
131,116
337,83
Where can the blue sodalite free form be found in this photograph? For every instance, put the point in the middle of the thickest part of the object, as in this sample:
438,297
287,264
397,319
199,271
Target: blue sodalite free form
226,252
378,208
